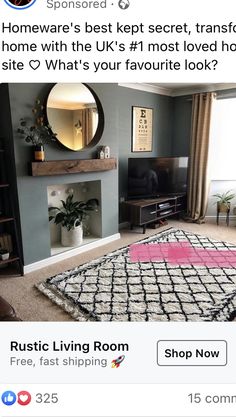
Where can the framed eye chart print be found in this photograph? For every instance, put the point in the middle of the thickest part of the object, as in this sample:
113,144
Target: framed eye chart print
142,122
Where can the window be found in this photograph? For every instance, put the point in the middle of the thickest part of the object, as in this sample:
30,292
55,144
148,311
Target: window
223,140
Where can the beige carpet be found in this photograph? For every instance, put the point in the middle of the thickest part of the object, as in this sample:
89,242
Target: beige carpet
31,305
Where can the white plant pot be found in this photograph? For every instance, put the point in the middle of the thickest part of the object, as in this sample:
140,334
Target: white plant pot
73,237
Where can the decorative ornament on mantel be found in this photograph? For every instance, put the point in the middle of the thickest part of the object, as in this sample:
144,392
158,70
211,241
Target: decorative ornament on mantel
107,152
38,134
101,154
104,152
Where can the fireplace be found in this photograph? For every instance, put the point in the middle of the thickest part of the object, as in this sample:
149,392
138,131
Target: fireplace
92,227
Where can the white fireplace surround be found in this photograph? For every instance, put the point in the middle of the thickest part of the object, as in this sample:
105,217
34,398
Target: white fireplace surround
81,191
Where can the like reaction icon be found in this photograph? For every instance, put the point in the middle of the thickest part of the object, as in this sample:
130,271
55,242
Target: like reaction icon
8,398
24,398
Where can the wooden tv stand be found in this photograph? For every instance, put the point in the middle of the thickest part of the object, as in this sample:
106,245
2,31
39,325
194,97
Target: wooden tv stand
142,212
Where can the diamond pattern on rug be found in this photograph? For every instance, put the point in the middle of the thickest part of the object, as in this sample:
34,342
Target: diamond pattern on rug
112,288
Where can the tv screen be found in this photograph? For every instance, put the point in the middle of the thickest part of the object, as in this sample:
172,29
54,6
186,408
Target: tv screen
152,177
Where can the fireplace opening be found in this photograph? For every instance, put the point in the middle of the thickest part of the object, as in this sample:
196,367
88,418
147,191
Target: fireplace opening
91,225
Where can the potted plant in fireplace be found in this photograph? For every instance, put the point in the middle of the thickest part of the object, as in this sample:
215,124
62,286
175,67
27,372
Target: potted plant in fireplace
70,216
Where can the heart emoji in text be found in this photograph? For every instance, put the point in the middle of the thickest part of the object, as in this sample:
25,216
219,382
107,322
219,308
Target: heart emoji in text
34,64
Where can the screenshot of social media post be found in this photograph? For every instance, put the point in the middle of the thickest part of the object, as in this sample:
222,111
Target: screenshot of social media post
117,209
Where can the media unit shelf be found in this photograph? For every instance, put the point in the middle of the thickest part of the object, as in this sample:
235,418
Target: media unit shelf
142,212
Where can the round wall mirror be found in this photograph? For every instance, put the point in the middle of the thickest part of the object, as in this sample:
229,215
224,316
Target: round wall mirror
75,114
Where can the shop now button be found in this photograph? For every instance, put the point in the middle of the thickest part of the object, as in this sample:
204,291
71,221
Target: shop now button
181,353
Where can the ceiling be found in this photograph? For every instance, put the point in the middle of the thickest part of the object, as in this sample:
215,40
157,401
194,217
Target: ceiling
179,89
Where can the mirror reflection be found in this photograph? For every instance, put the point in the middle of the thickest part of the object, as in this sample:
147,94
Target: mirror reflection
72,113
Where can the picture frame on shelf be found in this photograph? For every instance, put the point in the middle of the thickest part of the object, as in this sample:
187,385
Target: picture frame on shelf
142,129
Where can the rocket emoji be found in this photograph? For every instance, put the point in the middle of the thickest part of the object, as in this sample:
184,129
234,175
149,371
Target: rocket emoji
116,362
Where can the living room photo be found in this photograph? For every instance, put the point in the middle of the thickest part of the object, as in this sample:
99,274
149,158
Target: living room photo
117,202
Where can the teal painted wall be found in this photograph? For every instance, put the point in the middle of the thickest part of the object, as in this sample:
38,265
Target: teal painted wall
182,109
162,128
32,191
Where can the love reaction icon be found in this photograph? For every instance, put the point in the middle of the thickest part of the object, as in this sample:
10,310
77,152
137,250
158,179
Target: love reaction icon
24,398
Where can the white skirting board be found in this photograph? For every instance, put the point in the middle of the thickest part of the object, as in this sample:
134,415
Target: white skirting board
70,253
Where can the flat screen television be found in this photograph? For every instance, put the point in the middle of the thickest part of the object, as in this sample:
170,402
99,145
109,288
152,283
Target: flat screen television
152,177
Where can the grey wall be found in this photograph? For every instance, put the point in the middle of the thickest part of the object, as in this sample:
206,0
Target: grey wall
182,109
32,191
162,128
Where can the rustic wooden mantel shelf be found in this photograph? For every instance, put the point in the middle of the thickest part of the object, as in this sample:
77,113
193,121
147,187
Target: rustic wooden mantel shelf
63,167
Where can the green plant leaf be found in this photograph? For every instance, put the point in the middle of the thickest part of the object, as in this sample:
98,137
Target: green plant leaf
225,197
72,212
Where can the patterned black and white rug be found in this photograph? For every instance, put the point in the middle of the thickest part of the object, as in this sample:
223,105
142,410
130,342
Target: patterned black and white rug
112,288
